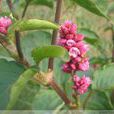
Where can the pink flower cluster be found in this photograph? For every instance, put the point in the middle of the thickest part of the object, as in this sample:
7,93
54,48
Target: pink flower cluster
81,84
77,49
73,42
5,22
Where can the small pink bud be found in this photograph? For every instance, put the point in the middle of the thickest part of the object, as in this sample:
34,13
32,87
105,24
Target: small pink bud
66,68
3,30
82,47
5,22
70,42
61,42
79,37
84,65
74,52
81,84
70,36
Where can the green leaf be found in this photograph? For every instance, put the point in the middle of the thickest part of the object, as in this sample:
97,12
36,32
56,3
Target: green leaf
91,41
104,78
102,4
68,88
27,96
88,33
49,51
46,100
9,73
32,24
18,87
33,40
48,3
98,101
91,6
5,55
90,36
60,76
99,60
42,38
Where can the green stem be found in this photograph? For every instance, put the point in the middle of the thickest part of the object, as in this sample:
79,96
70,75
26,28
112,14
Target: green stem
78,101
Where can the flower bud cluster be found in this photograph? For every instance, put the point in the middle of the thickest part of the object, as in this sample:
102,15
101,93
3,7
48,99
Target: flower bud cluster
77,49
5,22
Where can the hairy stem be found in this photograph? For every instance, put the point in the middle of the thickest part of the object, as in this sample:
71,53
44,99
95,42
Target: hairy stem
54,36
10,5
63,96
18,45
19,50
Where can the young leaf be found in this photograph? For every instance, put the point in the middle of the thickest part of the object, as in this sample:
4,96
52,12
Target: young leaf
104,78
91,6
18,86
49,51
32,24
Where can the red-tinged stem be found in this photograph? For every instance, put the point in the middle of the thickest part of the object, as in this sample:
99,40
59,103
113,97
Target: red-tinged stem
63,96
55,32
18,45
19,50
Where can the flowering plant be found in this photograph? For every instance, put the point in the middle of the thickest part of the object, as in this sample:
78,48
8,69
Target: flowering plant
76,80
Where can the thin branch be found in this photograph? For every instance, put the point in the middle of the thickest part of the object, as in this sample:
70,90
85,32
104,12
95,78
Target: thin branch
19,50
18,45
10,5
25,8
54,36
